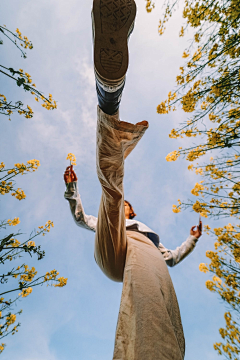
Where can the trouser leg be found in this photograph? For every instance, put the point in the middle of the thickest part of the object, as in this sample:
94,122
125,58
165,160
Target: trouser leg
115,140
109,99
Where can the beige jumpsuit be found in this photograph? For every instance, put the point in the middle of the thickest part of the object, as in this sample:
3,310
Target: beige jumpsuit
149,324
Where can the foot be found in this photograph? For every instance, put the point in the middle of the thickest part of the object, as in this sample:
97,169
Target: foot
113,22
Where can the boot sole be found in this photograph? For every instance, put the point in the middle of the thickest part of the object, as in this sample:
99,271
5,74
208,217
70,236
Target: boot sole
113,20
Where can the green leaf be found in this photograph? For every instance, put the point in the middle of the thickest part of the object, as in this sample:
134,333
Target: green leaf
20,81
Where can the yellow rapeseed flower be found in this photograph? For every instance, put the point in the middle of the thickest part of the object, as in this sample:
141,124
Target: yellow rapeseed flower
72,159
197,188
176,209
172,156
26,292
62,282
203,268
185,55
10,319
14,222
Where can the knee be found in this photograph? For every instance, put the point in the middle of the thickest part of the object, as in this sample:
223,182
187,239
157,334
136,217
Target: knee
113,271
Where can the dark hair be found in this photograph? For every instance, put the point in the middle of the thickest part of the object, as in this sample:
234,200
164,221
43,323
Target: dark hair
132,213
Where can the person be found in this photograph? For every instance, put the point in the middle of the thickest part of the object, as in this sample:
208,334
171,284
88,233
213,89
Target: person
126,250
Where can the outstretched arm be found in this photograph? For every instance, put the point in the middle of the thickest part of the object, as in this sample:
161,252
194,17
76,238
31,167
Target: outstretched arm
173,257
72,195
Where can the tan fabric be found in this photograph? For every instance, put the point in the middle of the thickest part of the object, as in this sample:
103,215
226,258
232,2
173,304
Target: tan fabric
115,140
149,324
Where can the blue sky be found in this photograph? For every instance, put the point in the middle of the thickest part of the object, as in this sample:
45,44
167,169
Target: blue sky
79,320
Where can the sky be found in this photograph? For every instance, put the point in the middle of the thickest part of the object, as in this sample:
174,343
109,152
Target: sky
79,320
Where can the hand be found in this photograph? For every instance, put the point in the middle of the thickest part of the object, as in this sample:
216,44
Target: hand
69,175
198,232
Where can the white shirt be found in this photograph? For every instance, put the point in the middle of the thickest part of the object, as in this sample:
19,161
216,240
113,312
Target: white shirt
172,257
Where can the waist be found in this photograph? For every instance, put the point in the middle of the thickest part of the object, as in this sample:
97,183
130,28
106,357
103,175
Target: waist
151,236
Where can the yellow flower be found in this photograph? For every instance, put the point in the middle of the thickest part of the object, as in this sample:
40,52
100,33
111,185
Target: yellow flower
51,275
29,274
62,282
180,79
176,209
19,194
181,32
31,243
72,159
172,156
200,208
185,55
217,279
4,97
189,101
197,37
173,134
25,292
203,268
199,171
207,229
210,285
162,108
149,6
197,188
197,55
34,164
230,227
13,222
16,243
11,319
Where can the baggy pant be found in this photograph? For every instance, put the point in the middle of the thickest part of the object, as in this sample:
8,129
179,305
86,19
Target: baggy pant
115,140
149,323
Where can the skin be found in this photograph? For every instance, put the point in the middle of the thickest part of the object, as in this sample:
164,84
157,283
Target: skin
198,231
70,176
127,210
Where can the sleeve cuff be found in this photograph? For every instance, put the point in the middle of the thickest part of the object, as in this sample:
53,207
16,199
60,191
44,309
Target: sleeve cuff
193,238
71,188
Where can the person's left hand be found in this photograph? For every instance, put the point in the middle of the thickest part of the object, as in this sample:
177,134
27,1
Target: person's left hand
69,175
196,232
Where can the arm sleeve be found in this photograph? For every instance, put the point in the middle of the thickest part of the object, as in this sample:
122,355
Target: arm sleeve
173,257
72,195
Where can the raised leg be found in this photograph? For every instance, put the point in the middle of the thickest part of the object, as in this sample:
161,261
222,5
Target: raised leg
115,140
113,22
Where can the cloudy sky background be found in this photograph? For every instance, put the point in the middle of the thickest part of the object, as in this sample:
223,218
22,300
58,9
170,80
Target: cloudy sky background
79,320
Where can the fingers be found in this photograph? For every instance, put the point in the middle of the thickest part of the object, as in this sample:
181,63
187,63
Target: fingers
74,176
69,175
196,230
66,178
66,175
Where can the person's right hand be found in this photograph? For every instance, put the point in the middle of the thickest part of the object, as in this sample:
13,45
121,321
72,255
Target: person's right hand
69,175
196,230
